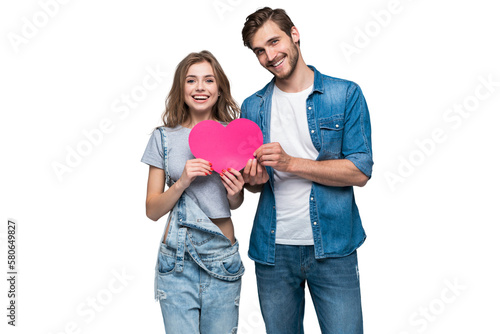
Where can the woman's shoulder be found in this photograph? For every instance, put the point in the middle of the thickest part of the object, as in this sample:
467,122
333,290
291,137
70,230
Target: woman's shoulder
169,129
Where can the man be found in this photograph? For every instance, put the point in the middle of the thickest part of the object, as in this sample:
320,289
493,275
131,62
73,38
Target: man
317,146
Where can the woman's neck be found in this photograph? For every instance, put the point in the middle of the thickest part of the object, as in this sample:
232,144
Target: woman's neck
195,119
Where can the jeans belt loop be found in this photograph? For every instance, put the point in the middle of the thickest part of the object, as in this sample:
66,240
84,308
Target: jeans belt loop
181,245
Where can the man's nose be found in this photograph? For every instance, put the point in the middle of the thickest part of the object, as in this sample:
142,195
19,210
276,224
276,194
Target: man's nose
271,54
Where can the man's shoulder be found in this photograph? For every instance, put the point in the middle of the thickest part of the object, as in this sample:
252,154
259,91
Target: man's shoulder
256,98
261,92
331,82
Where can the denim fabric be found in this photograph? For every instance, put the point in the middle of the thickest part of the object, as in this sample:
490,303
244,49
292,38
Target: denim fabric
332,282
339,126
194,301
198,273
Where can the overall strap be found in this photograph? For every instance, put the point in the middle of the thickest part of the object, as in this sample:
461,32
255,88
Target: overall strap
196,257
181,246
164,144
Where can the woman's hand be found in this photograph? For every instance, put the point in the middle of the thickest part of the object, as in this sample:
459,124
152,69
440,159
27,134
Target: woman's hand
233,182
193,169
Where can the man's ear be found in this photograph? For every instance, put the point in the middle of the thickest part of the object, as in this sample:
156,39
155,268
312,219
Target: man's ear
295,35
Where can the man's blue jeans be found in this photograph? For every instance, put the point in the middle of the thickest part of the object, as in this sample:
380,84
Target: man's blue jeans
334,287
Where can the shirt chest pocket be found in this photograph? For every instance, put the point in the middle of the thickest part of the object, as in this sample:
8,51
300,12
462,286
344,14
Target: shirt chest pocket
332,130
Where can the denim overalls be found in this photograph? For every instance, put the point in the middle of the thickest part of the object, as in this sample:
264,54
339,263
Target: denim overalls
198,271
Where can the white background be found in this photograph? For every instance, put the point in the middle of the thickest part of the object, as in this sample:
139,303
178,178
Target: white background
431,228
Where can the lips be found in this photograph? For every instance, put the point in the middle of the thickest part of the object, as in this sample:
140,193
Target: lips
278,63
200,97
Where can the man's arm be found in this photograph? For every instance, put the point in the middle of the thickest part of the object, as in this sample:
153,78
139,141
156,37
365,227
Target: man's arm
336,173
353,170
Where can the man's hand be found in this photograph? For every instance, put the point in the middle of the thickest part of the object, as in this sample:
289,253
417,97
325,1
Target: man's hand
255,175
274,156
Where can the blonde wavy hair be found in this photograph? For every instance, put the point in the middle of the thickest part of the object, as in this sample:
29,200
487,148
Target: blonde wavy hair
177,112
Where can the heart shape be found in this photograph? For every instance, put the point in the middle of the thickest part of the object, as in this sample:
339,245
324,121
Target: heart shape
225,147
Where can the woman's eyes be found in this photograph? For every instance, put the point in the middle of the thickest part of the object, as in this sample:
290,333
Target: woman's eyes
191,81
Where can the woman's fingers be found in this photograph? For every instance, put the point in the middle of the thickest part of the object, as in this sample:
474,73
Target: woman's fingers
232,180
199,166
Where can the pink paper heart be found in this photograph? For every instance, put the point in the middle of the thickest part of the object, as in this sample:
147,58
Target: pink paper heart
225,147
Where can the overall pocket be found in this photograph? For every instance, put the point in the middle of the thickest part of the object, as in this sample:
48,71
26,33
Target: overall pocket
199,238
166,262
232,265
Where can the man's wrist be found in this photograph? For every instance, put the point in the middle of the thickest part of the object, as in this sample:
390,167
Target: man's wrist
293,165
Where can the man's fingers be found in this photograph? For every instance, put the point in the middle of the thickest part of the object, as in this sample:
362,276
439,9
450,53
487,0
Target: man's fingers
248,166
259,169
253,169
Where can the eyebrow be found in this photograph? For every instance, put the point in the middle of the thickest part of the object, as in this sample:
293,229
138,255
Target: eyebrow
267,42
205,76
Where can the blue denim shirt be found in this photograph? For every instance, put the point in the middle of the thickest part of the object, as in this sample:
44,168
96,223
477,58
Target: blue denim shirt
339,125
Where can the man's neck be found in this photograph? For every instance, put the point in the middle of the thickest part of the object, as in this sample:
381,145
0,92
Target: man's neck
301,78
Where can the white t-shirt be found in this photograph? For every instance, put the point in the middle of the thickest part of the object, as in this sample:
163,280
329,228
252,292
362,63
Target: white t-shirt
289,128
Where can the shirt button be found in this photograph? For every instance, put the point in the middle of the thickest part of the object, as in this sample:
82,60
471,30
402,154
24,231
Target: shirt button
315,223
312,131
274,207
309,108
272,231
312,198
336,125
180,219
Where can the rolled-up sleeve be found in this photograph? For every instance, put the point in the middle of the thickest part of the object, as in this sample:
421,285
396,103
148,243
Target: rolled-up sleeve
357,143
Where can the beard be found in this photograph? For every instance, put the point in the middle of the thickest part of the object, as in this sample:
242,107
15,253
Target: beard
293,57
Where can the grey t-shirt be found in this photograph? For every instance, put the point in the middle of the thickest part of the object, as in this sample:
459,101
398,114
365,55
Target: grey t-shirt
207,191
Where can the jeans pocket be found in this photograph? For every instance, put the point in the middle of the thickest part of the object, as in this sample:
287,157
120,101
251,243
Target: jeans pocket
232,265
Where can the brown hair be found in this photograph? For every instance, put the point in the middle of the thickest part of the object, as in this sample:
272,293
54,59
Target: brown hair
177,112
256,20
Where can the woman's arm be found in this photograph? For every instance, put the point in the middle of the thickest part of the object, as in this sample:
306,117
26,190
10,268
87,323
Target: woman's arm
158,201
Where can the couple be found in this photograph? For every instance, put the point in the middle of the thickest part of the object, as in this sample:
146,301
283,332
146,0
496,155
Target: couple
307,227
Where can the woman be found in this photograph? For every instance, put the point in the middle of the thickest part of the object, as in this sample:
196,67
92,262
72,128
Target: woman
199,268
